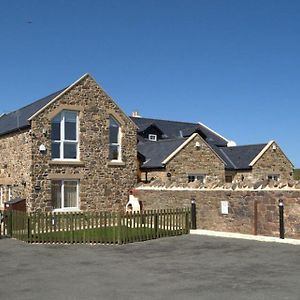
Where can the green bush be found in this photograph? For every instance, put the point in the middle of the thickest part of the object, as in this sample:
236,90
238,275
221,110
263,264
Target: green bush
297,174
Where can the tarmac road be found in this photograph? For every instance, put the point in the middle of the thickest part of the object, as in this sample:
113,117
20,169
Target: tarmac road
185,267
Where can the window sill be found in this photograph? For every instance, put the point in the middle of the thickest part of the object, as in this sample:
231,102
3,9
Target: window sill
116,163
67,162
71,209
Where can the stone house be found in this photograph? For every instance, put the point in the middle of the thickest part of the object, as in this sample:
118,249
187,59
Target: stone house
77,150
180,152
72,150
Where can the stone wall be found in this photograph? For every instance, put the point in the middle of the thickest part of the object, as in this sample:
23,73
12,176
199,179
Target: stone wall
103,185
242,215
192,160
15,164
273,161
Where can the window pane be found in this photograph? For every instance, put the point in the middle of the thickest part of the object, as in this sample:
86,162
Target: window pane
114,152
56,193
191,178
70,194
113,122
55,128
55,150
114,135
200,178
70,125
70,150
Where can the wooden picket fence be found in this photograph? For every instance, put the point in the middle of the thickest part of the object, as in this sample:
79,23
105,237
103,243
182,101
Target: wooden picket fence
96,227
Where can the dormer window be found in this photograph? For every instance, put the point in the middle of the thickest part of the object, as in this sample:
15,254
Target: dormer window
152,137
114,140
64,136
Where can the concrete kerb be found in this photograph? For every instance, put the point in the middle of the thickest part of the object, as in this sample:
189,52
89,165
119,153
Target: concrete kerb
259,238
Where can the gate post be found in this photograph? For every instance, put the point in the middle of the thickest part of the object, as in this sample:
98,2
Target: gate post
9,222
156,223
281,218
119,228
193,214
255,218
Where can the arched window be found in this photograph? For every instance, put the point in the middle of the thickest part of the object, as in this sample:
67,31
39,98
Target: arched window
64,136
114,140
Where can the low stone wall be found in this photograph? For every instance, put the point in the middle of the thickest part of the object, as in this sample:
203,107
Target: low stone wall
250,211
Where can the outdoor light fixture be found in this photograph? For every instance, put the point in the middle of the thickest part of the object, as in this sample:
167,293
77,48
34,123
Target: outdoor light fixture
44,132
42,148
197,145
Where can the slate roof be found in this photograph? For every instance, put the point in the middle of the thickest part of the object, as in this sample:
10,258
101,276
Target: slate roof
156,152
19,119
239,157
175,133
174,129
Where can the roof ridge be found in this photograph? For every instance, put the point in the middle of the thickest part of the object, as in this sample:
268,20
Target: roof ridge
164,120
247,145
214,132
166,140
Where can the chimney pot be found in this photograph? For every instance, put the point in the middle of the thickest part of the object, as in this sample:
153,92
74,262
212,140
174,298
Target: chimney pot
135,114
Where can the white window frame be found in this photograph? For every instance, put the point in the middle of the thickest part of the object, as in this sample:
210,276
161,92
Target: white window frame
75,208
9,192
196,179
62,140
119,144
1,196
152,137
273,177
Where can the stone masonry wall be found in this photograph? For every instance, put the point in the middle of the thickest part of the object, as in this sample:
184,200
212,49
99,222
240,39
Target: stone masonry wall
15,163
192,160
241,208
103,185
273,162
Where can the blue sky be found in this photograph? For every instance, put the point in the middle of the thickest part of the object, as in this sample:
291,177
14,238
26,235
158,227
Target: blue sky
233,65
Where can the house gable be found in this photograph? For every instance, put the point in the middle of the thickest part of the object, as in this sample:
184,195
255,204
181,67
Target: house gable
272,161
193,156
104,183
189,140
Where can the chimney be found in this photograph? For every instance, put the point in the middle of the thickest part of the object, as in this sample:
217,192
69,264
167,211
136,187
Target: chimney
135,114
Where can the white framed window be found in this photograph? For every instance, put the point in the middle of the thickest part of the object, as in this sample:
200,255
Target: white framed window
196,177
152,137
9,193
1,196
273,177
64,136
114,140
65,194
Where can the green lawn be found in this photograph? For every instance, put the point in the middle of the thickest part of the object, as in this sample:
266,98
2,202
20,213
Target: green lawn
297,174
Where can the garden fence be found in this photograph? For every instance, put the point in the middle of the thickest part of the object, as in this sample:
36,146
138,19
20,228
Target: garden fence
95,227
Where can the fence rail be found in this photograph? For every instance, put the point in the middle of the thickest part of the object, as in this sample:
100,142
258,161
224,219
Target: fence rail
95,227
